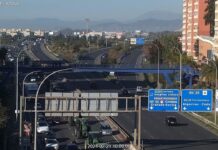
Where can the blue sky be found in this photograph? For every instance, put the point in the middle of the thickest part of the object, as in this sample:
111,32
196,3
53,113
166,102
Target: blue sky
79,9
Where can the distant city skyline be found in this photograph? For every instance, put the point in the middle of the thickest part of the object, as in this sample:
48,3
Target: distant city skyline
121,10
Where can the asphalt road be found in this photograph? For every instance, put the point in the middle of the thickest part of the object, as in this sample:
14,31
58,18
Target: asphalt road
131,59
37,51
157,136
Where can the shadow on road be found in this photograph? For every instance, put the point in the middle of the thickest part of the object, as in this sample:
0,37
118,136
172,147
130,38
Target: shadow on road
62,139
176,144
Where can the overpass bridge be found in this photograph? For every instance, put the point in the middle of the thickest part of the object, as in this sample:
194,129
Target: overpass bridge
164,70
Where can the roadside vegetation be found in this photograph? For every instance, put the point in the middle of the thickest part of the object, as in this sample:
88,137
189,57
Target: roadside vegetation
71,47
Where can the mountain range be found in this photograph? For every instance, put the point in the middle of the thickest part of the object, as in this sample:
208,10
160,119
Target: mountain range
154,21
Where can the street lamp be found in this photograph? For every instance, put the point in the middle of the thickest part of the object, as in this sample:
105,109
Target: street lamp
215,92
87,31
180,69
21,104
16,112
36,99
124,44
158,65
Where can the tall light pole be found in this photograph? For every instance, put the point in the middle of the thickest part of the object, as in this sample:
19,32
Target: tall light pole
17,59
21,104
36,101
215,91
158,65
124,44
180,69
106,42
0,39
87,31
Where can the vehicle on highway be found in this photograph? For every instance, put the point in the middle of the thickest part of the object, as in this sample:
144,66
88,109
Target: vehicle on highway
106,129
56,120
52,143
42,127
171,120
41,119
32,79
39,114
139,89
82,127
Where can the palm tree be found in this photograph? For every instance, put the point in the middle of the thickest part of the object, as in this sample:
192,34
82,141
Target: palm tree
210,15
208,73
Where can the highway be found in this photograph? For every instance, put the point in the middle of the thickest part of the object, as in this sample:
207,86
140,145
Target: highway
187,135
37,51
130,60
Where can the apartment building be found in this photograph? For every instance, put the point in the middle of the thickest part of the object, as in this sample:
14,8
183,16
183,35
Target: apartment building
216,22
208,46
193,25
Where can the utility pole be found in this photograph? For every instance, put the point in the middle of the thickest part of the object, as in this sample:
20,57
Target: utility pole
87,31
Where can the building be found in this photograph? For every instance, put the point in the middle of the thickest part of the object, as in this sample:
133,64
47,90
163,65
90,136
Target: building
208,46
193,25
216,22
39,33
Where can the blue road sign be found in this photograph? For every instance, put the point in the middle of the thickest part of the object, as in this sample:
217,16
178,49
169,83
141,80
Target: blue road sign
197,100
163,100
140,41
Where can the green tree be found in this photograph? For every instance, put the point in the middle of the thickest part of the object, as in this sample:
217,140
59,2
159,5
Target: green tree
210,15
208,72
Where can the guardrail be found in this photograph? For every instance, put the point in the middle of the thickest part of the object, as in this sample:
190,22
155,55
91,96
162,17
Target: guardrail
206,121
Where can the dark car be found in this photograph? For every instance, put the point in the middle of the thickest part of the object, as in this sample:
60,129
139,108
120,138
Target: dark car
171,121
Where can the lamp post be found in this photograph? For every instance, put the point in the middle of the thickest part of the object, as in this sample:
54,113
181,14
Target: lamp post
16,112
180,69
87,31
21,104
215,91
124,44
36,99
158,65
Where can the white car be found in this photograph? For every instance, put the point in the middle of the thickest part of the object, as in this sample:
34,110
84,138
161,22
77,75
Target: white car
53,143
42,126
106,129
139,89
